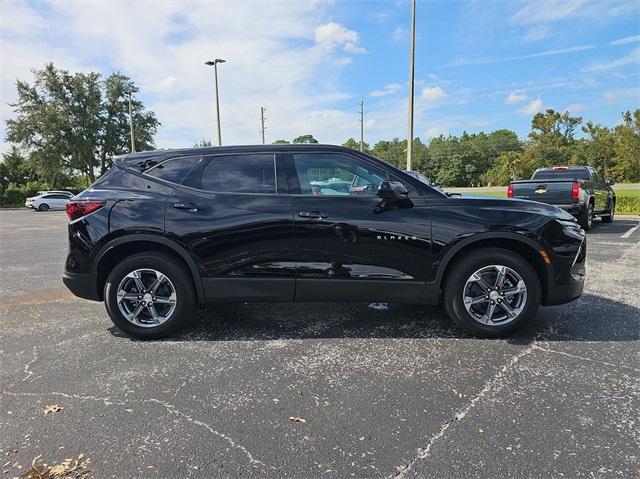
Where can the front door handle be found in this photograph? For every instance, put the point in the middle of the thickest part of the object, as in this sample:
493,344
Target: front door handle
189,206
312,214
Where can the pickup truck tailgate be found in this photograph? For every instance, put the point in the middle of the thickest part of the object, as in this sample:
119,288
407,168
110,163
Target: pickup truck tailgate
555,192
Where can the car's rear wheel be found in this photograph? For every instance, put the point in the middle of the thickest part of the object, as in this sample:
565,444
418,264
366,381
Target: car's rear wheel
585,219
43,207
150,296
608,218
492,292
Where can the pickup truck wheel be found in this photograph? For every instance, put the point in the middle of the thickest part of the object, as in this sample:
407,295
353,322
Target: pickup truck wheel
150,296
585,219
492,292
608,218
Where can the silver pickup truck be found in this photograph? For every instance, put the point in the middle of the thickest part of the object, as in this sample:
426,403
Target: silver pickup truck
577,189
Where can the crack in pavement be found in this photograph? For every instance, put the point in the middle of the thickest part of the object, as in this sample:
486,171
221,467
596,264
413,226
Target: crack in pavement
583,358
27,367
423,453
171,409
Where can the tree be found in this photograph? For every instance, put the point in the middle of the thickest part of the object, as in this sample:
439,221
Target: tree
202,144
627,148
278,142
75,122
305,139
355,145
14,168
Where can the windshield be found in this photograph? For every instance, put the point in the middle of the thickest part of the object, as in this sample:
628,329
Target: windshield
561,175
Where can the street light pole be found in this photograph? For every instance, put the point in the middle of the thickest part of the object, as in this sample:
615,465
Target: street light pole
262,109
133,140
411,76
362,125
214,63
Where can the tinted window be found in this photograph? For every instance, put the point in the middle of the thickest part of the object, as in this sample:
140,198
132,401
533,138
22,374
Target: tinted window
240,174
59,197
336,175
561,175
173,170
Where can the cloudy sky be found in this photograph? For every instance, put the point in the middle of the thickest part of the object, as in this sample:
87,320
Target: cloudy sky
480,65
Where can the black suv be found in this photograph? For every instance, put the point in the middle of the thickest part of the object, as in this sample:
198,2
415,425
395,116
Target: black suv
165,231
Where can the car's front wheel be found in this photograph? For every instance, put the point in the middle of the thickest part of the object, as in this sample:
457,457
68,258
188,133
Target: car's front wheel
150,296
492,292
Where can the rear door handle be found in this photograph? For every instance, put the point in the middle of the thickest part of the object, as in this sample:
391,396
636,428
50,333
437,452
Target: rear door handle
189,206
312,214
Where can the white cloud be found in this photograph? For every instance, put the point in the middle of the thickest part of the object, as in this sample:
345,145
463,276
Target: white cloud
633,57
432,94
400,33
537,32
387,90
514,98
533,107
333,35
576,107
546,53
625,40
293,67
610,96
436,131
552,11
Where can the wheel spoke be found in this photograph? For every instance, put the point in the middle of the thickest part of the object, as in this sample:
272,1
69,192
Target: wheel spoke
487,318
159,279
136,312
154,314
124,296
519,288
500,276
468,300
481,282
138,281
165,300
508,309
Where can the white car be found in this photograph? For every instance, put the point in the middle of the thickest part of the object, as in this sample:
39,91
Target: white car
49,200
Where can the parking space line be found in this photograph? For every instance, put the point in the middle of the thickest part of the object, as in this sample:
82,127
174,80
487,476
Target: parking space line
630,231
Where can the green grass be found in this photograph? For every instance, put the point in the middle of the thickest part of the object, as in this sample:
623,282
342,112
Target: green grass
627,201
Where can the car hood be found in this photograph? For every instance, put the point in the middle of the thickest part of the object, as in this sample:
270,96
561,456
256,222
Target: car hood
525,206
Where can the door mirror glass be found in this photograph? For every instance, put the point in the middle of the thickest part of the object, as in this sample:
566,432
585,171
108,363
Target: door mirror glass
610,182
392,191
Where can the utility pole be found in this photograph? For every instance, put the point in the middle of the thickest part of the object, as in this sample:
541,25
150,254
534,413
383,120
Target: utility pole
214,64
262,110
133,140
411,76
362,125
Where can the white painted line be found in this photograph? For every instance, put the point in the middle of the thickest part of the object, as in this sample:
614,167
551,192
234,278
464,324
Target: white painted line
630,231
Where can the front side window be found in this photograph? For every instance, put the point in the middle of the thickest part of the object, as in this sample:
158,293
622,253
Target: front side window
173,170
240,174
333,174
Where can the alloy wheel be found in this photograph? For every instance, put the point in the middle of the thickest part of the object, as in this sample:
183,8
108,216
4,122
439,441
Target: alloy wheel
495,295
146,298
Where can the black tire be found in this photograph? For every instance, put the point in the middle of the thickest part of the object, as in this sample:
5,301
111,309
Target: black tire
465,267
585,218
185,303
43,207
608,218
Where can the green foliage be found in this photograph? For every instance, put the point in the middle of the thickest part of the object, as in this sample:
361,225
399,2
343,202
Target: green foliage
75,122
305,139
203,144
281,142
15,195
355,145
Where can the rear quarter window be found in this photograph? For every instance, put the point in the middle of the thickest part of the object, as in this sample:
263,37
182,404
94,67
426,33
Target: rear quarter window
173,170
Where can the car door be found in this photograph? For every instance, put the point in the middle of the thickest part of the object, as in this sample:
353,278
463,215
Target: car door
352,245
599,191
233,214
59,201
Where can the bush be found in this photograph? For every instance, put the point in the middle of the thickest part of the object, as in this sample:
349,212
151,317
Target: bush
16,195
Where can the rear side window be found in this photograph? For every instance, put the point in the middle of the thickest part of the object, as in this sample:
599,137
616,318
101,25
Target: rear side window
561,175
240,174
173,170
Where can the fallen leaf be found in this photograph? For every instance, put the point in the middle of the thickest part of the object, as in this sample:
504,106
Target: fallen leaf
68,469
51,408
297,419
481,431
403,419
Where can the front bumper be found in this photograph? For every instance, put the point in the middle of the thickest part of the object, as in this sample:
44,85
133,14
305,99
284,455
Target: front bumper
82,285
568,280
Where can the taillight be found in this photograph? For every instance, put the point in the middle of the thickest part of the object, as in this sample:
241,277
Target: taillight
79,208
575,190
510,191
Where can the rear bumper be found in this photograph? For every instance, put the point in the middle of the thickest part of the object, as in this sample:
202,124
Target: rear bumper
82,285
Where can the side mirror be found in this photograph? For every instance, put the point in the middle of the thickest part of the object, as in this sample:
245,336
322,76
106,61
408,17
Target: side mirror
392,191
610,182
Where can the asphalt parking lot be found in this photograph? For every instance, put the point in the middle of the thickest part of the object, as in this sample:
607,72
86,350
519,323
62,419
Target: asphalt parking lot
382,392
